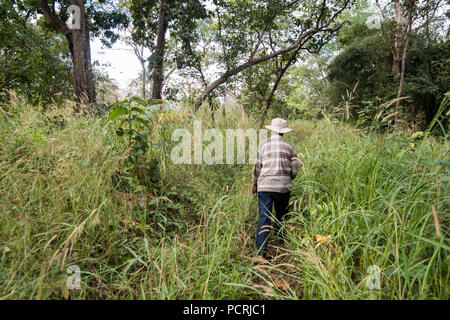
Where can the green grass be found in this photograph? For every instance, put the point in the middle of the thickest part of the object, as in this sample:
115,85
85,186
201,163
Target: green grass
371,195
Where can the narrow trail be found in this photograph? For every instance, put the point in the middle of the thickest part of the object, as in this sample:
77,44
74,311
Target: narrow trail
276,276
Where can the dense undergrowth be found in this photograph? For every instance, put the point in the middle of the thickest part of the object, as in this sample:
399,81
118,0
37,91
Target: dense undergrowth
360,200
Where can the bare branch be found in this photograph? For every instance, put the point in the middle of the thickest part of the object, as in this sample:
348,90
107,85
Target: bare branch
261,35
432,14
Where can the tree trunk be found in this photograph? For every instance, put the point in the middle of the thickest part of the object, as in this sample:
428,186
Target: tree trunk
403,62
144,76
6,81
399,12
402,73
158,72
80,50
83,78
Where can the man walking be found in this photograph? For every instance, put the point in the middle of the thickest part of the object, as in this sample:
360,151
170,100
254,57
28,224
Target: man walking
275,167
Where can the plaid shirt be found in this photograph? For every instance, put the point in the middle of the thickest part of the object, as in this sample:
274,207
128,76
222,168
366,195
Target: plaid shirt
275,167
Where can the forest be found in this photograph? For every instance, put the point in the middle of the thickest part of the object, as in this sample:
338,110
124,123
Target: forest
94,204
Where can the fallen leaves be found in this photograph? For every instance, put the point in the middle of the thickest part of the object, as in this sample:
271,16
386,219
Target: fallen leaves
281,284
322,240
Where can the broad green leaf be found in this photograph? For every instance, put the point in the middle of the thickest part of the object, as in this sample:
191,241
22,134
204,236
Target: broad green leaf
142,121
140,140
120,132
120,103
136,109
117,112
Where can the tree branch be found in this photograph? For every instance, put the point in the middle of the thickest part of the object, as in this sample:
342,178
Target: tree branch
52,19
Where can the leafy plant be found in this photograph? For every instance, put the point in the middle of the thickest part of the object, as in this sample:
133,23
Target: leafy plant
135,115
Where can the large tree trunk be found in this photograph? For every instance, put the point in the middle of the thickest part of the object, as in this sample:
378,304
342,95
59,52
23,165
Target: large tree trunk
80,50
158,72
83,79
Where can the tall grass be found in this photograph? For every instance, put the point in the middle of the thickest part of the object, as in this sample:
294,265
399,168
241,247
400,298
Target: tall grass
361,200
374,197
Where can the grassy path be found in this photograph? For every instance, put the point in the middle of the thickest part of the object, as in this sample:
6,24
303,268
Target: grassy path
362,200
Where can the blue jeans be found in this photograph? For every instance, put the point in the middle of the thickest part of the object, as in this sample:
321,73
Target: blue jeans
266,200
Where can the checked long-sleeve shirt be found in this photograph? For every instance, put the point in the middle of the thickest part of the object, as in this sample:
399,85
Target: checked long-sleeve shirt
276,165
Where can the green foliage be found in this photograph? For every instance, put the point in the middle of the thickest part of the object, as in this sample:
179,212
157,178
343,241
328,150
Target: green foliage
366,60
308,85
355,182
182,18
441,119
103,17
134,116
428,74
301,93
35,63
241,22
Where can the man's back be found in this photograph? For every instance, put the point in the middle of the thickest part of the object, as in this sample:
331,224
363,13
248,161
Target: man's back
273,171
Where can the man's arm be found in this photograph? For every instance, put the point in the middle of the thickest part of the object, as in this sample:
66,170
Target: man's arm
255,173
295,164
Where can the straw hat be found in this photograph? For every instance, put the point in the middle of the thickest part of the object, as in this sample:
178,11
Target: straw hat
279,125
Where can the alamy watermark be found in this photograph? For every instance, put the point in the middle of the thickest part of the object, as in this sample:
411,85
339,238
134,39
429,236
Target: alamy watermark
74,21
374,20
241,146
74,281
374,279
